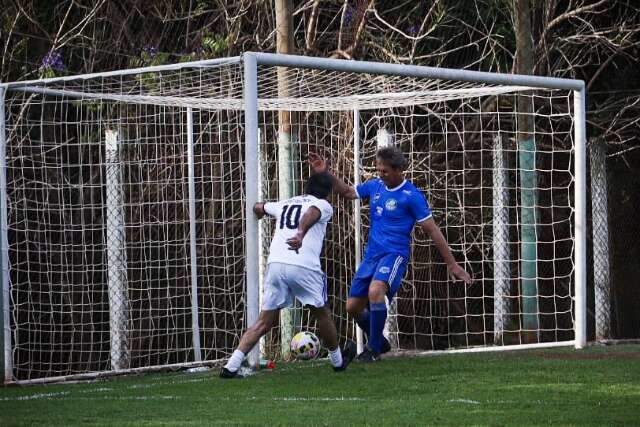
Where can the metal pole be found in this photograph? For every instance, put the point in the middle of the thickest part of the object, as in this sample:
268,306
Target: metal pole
6,355
357,222
195,323
600,218
581,218
528,232
501,256
262,233
116,257
207,63
251,196
416,71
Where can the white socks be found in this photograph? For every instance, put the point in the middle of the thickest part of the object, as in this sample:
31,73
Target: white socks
335,356
233,364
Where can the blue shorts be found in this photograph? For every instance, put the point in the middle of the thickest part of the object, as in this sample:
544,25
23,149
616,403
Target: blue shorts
388,268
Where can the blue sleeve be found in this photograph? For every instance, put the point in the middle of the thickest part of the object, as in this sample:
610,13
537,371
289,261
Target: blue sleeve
364,190
419,206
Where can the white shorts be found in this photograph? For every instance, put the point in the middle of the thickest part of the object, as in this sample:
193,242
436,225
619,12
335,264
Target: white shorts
283,282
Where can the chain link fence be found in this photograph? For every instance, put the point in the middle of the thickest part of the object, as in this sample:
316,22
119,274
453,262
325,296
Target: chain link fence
624,208
615,197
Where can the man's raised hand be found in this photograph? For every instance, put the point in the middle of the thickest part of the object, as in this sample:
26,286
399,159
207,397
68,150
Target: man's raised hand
318,163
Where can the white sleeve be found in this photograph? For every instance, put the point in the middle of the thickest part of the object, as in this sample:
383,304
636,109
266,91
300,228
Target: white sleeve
273,209
325,208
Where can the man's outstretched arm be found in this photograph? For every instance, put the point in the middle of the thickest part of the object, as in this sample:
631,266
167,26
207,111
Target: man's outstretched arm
456,272
310,217
319,164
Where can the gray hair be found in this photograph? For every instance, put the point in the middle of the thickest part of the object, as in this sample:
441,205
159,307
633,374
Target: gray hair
392,157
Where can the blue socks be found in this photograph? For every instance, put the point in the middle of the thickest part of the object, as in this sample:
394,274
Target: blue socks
378,316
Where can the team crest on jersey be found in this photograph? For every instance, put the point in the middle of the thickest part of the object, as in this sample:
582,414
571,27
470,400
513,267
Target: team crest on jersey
384,270
391,204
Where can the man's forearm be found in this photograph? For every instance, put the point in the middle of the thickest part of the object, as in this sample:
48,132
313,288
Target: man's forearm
432,229
339,186
320,165
443,247
310,217
455,271
308,220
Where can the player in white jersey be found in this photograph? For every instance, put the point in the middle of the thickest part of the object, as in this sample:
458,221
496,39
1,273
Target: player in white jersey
294,271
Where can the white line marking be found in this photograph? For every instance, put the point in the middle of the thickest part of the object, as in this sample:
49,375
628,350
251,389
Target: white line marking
318,399
37,396
472,402
96,390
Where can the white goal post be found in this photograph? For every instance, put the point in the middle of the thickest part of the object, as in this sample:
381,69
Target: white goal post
128,239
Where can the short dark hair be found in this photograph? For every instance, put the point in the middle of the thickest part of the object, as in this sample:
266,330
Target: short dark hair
319,185
392,157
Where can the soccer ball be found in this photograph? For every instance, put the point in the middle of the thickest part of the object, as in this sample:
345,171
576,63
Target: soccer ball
305,345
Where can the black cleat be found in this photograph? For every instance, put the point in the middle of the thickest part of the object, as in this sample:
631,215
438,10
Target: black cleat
348,354
368,356
386,346
226,374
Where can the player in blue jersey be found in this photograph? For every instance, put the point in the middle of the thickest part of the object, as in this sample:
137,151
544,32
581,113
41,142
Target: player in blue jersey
396,205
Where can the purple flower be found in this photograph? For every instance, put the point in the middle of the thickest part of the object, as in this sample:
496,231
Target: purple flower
348,14
150,50
412,30
52,61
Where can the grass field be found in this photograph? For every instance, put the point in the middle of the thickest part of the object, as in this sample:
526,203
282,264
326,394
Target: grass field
595,386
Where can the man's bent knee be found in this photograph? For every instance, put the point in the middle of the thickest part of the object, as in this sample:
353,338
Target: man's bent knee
377,291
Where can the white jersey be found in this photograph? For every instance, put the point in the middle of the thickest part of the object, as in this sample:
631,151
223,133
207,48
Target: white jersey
288,214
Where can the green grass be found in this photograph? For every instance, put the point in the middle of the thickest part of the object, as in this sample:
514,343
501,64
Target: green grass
595,386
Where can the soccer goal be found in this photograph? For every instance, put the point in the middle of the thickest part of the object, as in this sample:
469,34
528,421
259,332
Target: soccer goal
128,240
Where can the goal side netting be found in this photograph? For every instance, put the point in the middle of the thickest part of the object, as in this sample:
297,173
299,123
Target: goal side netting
125,242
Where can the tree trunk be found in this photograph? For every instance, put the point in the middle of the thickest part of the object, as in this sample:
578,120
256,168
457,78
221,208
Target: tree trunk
527,170
286,151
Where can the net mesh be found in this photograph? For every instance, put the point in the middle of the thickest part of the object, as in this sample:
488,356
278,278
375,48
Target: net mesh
58,188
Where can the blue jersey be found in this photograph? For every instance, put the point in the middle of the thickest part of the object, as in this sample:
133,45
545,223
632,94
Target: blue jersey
394,213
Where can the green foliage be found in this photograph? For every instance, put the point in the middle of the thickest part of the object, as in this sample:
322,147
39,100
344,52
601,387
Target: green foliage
149,56
48,73
216,44
211,46
201,6
148,59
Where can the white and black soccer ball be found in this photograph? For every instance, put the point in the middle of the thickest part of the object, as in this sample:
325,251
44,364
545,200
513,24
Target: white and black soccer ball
305,345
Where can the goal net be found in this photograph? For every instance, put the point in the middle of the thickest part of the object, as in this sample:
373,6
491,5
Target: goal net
127,245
